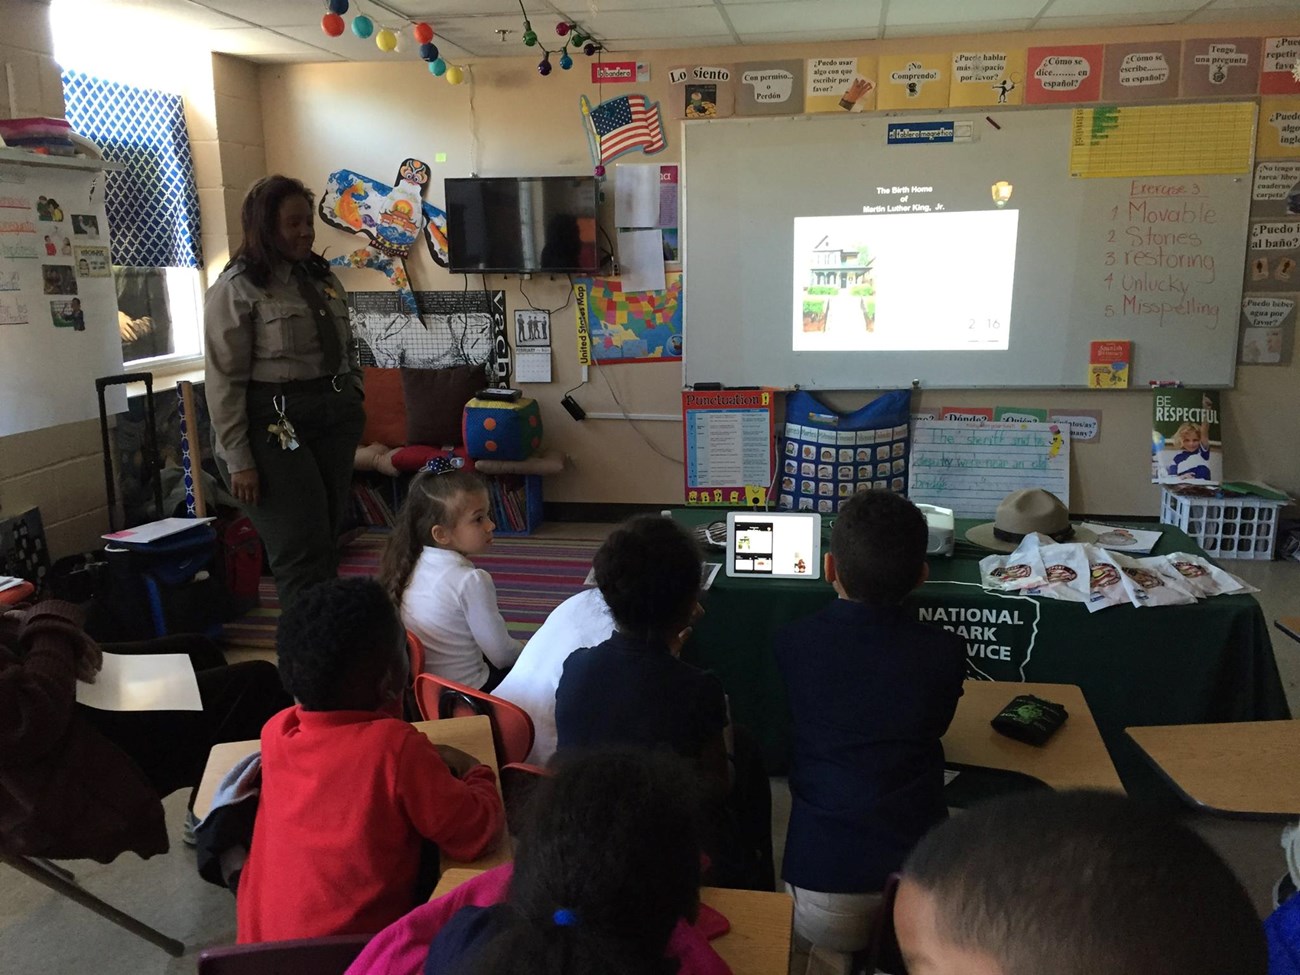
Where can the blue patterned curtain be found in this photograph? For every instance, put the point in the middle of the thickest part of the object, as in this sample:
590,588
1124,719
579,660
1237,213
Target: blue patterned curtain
153,204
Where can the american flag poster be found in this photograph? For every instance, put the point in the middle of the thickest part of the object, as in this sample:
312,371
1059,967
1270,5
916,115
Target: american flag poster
626,123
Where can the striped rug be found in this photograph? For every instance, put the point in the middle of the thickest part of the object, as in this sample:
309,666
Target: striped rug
533,575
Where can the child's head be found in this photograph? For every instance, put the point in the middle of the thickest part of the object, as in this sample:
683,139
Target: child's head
607,862
1073,883
1188,436
341,647
76,304
447,510
878,547
648,570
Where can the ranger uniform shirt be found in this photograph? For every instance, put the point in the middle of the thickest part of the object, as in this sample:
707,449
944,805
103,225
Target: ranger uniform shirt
263,334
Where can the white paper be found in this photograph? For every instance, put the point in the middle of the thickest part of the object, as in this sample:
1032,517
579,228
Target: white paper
1131,540
641,260
10,582
143,682
532,365
155,530
636,196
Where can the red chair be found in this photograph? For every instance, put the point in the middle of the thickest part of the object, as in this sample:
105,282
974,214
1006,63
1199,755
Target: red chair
306,956
512,728
415,649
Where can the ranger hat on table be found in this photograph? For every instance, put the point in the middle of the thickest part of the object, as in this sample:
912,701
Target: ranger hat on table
1023,512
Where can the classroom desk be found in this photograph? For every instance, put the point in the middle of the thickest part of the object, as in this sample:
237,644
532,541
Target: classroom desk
758,942
472,735
1074,758
1211,661
1290,625
1243,770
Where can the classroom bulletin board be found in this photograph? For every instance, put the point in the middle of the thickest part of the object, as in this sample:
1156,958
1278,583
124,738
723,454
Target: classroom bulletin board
729,439
58,304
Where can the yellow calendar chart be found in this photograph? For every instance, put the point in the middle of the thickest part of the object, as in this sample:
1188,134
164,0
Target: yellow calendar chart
1162,140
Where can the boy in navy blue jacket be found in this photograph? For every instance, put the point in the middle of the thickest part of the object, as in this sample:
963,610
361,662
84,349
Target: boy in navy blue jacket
871,694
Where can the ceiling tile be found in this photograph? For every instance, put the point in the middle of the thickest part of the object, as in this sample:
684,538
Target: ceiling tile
166,12
624,44
854,16
1271,11
431,10
656,23
1106,20
805,36
987,13
253,42
1251,6
893,30
259,13
1172,10
581,12
352,48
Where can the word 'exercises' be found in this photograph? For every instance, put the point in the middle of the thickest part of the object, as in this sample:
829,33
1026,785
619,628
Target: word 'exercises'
970,467
1154,261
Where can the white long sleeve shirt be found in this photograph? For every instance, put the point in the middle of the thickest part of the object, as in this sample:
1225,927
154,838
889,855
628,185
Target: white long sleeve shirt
452,607
580,621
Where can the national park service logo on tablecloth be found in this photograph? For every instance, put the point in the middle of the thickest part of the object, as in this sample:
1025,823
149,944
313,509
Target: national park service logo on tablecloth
999,628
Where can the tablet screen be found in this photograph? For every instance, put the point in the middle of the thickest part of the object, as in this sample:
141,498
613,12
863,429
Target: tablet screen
784,545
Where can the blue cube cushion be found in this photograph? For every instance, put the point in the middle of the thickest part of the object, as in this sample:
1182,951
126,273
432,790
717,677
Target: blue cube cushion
495,430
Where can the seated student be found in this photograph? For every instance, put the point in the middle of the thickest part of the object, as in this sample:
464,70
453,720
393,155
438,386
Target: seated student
582,620
871,693
1072,883
77,781
450,605
605,869
349,790
633,690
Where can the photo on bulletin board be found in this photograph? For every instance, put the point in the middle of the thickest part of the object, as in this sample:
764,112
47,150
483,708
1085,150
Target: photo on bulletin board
59,279
68,314
1220,66
1070,73
987,78
839,85
85,225
913,81
701,91
1141,71
770,88
93,262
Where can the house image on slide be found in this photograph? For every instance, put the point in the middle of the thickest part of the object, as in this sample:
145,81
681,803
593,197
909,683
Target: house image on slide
838,264
839,293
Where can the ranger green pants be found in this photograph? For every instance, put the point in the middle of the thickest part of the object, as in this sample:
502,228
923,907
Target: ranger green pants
304,492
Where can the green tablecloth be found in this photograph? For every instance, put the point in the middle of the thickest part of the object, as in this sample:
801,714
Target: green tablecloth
1208,662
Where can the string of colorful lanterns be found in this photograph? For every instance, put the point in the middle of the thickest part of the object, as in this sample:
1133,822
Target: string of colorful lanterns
386,38
574,37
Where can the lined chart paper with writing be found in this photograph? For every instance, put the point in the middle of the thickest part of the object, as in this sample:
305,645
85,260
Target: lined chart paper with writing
970,467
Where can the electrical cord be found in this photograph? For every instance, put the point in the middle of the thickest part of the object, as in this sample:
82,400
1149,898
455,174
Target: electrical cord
628,416
550,311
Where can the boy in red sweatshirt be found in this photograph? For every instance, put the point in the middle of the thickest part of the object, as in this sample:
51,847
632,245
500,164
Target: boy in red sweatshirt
350,792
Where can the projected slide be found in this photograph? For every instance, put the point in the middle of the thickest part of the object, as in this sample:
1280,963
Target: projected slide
904,282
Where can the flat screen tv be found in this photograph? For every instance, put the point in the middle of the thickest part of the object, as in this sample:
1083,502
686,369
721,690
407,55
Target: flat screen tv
522,224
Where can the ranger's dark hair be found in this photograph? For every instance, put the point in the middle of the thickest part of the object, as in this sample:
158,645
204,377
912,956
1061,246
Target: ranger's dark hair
336,644
259,216
612,838
878,540
1082,882
648,570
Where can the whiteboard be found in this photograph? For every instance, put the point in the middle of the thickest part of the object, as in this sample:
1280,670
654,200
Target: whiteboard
1156,260
48,361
